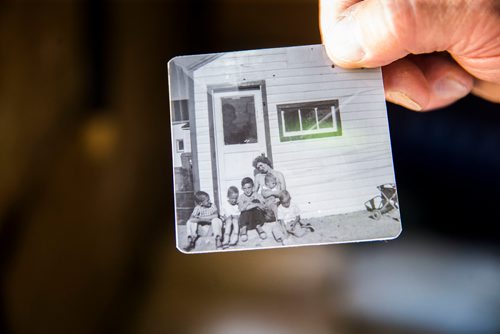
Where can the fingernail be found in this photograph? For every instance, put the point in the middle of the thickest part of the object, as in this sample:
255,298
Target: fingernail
403,100
449,87
344,43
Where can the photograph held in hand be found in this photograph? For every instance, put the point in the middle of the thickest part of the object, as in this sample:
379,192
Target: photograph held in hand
279,147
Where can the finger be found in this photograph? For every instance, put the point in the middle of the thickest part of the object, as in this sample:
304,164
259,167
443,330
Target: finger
447,81
487,90
375,33
405,84
426,82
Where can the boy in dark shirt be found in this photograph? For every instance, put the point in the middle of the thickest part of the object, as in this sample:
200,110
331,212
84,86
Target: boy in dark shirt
251,206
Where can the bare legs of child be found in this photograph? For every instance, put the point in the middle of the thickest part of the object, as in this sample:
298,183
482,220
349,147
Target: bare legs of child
192,233
217,229
283,231
231,232
280,232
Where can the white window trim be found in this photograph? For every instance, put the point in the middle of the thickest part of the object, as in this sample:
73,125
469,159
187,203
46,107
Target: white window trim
310,132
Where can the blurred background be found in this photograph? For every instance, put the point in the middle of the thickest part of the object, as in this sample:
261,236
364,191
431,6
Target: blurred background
86,207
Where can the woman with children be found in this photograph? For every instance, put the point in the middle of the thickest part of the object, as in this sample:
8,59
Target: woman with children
264,200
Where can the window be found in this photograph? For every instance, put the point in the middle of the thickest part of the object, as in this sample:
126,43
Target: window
239,120
180,145
180,112
308,120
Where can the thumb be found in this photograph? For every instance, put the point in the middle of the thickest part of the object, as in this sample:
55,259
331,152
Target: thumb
374,33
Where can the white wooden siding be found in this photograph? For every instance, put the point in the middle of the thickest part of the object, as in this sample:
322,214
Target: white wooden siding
324,176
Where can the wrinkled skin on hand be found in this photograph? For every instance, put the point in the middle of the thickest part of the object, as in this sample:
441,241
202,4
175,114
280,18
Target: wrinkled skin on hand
433,52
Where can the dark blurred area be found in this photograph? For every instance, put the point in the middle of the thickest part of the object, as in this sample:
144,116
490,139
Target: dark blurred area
86,207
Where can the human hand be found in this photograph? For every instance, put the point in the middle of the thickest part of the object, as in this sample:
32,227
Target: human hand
403,36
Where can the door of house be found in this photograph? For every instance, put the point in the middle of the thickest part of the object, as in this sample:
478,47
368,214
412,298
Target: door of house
239,136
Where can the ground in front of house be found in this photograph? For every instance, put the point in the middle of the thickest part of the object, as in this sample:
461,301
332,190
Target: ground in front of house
356,226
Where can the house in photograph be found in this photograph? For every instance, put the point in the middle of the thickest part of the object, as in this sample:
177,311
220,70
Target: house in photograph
180,132
323,127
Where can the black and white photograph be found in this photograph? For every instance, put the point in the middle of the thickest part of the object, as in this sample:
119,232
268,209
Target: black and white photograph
279,147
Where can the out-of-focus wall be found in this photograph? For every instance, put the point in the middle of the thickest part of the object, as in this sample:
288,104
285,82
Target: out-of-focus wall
85,174
42,87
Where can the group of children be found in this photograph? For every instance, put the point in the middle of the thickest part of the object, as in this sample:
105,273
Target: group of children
247,211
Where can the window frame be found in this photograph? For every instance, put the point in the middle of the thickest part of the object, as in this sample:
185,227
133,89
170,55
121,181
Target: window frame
309,134
177,142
